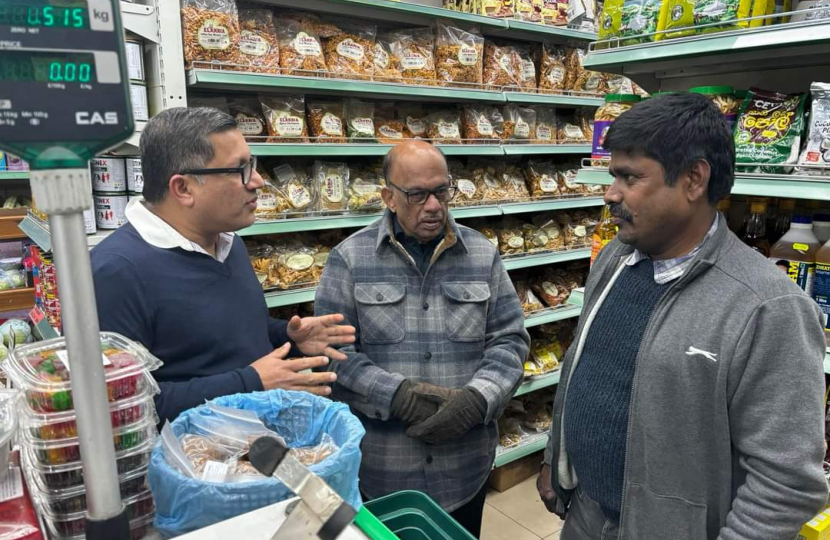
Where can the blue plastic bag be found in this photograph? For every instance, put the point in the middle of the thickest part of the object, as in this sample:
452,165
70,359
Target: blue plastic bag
185,504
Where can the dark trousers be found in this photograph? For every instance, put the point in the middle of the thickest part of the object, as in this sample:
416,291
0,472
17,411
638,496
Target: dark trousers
469,515
587,521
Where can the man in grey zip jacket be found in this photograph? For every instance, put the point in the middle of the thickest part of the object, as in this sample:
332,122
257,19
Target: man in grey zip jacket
691,402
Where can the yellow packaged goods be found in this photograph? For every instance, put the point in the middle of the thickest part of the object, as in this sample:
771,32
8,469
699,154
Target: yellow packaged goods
285,118
511,237
542,179
386,69
350,54
525,11
259,49
414,119
583,80
519,123
332,180
555,12
360,121
497,8
545,354
680,18
569,131
297,192
247,111
514,182
459,56
326,121
210,29
301,52
545,125
412,53
482,123
500,65
553,71
530,302
444,126
817,528
365,189
389,130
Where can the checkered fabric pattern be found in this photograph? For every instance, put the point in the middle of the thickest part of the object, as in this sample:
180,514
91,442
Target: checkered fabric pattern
458,325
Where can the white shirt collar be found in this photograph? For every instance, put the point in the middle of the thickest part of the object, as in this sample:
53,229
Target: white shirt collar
157,232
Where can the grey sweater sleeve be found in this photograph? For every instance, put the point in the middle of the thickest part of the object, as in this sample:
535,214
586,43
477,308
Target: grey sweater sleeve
776,413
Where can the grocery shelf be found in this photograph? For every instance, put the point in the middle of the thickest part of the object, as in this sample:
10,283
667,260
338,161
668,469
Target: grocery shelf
309,224
540,259
537,383
38,232
545,149
553,99
533,444
16,299
365,149
14,175
539,32
485,210
289,298
552,204
762,185
550,315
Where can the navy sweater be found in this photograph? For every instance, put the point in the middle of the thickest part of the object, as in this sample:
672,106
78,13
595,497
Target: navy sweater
596,422
206,320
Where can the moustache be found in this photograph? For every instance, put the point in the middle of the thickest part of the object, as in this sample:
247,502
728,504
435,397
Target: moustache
619,211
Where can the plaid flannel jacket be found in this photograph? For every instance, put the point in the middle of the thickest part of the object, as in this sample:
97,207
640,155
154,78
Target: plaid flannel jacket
459,325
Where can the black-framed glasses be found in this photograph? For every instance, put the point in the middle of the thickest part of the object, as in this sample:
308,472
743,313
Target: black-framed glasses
421,196
243,171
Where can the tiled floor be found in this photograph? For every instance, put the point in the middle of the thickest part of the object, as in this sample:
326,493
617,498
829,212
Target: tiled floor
518,514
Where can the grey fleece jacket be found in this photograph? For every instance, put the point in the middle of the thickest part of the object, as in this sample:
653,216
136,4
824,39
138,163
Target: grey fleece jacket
727,445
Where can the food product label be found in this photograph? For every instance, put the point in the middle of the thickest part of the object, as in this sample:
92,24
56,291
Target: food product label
448,130
570,179
528,72
516,242
299,262
390,133
249,125
504,62
11,485
540,239
544,132
522,129
801,247
573,132
364,188
299,196
553,232
600,130
333,188
381,57
307,45
550,289
214,36
483,126
287,125
593,82
266,200
348,48
466,187
364,126
284,173
321,259
331,124
416,125
413,60
215,471
580,231
548,184
556,75
821,291
253,44
801,273
468,56
63,356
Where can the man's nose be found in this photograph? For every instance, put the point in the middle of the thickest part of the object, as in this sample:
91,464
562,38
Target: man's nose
433,204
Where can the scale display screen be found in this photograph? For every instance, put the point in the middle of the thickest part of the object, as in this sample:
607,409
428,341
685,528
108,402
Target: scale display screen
45,13
55,67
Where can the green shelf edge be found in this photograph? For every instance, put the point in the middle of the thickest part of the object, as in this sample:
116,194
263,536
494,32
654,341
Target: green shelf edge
545,149
308,224
544,206
520,451
556,315
537,383
289,298
553,99
318,149
14,175
546,258
36,233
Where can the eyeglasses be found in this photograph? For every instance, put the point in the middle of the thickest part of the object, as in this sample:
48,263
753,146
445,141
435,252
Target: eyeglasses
244,171
421,196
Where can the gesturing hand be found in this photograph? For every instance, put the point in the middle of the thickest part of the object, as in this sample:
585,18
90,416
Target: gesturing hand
276,372
316,335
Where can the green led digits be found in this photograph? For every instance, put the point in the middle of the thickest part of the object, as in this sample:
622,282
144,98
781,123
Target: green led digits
49,67
46,16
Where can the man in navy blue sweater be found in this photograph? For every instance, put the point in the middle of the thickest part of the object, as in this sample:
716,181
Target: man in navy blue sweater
177,279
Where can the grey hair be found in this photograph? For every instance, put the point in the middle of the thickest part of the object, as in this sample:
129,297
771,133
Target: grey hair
388,161
178,139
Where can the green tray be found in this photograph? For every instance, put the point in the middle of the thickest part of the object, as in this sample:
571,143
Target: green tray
411,515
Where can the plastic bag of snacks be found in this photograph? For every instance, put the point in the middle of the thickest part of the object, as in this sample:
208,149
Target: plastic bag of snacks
365,189
488,179
482,123
360,121
567,180
552,288
298,193
545,125
578,232
301,52
293,264
632,18
769,129
547,224
724,98
519,123
514,182
817,150
526,80
569,131
530,302
326,122
351,53
536,239
467,192
285,118
553,70
210,29
412,52
555,12
580,79
459,55
414,119
487,231
444,126
585,120
388,128
500,65
511,237
386,69
542,179
682,17
247,111
268,202
259,49
332,181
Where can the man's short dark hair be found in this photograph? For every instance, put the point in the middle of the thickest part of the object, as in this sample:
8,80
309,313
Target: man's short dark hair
676,130
178,139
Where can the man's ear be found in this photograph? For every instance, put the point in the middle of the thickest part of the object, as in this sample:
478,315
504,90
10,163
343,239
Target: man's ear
388,197
697,181
180,189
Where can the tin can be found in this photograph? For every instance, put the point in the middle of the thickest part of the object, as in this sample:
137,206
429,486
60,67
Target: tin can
134,50
89,220
110,209
138,94
135,177
108,174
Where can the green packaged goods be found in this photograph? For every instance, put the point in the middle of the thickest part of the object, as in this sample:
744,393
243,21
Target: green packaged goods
769,130
630,18
679,18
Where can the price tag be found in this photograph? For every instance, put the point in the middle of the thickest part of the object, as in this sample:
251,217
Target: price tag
215,471
11,485
63,356
36,315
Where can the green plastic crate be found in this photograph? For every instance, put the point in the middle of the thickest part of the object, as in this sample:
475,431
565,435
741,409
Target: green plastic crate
411,515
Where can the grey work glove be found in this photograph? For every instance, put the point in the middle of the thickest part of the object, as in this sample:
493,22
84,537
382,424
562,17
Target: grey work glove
459,410
409,404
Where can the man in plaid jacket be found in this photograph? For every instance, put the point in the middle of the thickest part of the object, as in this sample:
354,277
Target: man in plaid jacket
440,339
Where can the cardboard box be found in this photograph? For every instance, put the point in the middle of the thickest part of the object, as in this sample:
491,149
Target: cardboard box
514,473
817,528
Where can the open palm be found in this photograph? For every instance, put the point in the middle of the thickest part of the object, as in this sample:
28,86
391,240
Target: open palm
316,335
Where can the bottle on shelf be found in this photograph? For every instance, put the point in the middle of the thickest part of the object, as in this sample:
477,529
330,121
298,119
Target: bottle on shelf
604,232
782,222
772,215
821,287
795,253
755,235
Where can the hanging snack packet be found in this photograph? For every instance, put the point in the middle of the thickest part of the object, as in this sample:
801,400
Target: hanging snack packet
501,66
326,121
519,123
553,72
332,181
817,150
285,118
769,129
360,121
542,179
365,189
259,49
210,29
444,127
350,54
627,18
482,124
301,52
247,112
459,56
386,69
414,119
412,54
